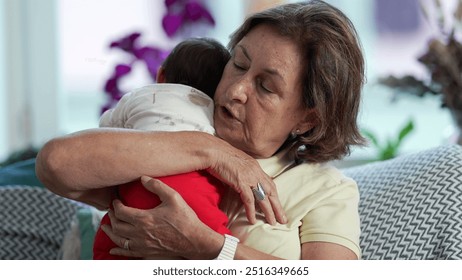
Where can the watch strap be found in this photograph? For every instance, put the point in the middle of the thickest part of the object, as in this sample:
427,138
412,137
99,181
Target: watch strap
229,248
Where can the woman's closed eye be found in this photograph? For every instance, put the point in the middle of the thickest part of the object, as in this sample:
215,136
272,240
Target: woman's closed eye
264,87
260,82
239,66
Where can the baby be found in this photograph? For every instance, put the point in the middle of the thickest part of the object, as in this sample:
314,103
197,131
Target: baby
182,100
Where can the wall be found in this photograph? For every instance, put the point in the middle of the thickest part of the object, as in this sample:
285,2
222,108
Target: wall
30,73
3,108
54,59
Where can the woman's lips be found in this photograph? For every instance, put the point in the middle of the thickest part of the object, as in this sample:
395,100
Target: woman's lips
227,113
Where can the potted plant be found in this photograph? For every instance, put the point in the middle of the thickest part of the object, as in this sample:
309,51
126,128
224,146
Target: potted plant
442,60
179,15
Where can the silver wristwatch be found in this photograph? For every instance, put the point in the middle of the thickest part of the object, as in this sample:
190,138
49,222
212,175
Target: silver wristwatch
229,248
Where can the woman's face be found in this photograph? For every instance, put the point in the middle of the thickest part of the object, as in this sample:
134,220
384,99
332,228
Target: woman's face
258,101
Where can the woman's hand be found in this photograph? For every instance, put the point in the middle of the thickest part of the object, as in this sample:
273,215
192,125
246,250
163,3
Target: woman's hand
242,172
67,167
171,229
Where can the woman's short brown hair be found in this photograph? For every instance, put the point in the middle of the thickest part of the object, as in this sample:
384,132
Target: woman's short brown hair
332,78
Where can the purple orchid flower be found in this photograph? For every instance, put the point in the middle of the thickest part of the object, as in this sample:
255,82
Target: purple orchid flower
127,43
195,11
122,70
112,84
152,57
169,3
171,24
179,15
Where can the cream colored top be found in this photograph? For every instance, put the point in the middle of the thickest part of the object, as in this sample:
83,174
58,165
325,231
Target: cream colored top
320,203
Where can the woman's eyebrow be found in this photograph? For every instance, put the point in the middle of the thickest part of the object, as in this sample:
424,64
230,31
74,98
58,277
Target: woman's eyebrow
271,71
244,51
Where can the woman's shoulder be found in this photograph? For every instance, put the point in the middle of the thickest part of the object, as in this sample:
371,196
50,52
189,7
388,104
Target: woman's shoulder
315,181
319,171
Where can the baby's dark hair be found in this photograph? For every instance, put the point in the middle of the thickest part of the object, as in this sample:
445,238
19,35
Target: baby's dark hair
197,62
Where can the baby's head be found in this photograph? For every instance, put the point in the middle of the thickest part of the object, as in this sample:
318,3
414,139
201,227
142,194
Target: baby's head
195,62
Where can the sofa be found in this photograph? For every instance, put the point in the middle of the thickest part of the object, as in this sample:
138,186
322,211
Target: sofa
410,209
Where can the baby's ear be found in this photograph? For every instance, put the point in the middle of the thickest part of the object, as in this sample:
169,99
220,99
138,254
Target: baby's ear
160,75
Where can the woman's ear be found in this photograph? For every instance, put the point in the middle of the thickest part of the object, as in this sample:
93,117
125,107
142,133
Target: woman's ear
160,77
309,121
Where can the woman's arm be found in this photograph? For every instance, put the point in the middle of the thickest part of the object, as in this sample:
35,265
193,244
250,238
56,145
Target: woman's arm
173,229
80,166
104,157
326,251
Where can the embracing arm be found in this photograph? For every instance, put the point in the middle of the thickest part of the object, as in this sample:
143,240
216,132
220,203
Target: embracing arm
173,229
80,166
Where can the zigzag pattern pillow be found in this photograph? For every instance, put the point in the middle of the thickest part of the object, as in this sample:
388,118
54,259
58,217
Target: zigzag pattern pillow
411,206
33,222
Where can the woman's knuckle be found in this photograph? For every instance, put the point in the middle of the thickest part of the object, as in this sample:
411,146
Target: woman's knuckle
247,200
175,196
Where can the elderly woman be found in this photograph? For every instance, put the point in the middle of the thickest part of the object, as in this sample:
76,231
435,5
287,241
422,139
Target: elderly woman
287,103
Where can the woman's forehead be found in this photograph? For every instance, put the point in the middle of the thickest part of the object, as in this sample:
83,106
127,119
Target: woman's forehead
275,53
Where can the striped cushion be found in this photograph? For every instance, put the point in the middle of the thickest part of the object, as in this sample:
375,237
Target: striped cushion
411,206
33,222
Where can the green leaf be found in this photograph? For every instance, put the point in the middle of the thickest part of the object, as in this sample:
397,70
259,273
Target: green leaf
389,151
405,131
370,135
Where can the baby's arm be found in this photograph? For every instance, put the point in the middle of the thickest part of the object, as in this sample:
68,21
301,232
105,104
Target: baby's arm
116,117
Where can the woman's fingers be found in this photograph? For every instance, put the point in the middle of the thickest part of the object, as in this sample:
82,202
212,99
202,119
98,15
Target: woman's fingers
277,207
271,196
266,199
267,210
249,205
165,230
155,186
120,241
120,230
270,204
124,213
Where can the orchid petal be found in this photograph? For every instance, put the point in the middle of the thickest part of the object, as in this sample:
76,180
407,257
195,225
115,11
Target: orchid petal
169,3
171,24
194,11
111,85
153,58
122,70
126,43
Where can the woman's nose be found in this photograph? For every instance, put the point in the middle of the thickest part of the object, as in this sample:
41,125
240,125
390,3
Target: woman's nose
241,89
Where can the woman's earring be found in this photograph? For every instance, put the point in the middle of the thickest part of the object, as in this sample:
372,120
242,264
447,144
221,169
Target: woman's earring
295,133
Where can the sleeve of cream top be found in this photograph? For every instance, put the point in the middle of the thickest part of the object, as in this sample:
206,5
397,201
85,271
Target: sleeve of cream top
335,217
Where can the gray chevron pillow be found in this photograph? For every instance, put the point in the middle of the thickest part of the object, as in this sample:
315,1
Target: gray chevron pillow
33,222
411,206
